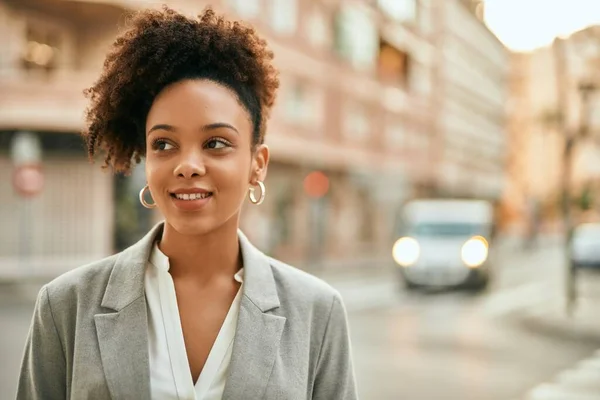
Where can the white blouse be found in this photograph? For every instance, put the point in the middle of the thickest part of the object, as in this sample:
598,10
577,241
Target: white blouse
170,375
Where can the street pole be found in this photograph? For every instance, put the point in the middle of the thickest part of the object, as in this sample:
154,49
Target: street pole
570,139
26,155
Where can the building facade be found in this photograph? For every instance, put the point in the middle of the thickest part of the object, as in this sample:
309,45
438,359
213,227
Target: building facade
471,79
537,137
367,116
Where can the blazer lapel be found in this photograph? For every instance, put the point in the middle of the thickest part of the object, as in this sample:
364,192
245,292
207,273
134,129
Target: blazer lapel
256,343
122,333
123,341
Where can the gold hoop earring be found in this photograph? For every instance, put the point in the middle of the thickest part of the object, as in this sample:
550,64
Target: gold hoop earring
263,192
143,201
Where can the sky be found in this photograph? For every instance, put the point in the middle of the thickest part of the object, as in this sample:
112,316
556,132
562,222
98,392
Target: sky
523,25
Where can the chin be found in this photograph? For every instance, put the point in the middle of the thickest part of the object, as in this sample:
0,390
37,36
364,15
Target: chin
192,226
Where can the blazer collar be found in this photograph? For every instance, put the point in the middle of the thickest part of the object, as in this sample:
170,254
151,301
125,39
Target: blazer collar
123,340
126,282
122,332
259,283
259,331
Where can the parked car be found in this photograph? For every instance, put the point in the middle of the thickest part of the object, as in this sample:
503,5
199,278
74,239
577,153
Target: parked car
585,246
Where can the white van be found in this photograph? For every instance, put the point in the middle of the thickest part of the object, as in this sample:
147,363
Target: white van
445,243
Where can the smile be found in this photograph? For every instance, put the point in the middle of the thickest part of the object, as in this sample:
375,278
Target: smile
192,196
194,201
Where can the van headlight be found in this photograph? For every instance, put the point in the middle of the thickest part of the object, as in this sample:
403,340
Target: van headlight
475,251
406,251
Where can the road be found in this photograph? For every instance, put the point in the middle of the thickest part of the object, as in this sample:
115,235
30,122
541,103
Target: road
458,345
421,345
441,347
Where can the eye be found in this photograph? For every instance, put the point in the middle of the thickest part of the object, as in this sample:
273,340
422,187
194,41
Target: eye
217,143
162,145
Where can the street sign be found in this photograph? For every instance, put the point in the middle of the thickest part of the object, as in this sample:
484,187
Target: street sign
28,180
26,154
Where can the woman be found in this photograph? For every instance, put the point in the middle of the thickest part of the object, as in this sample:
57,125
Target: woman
193,310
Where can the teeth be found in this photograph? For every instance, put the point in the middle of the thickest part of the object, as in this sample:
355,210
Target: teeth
193,196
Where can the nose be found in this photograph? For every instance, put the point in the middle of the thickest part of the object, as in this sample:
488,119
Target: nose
190,165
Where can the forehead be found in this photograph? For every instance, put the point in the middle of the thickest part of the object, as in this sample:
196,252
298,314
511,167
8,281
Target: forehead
198,102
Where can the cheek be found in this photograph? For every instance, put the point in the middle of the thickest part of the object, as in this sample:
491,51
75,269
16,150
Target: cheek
233,175
156,171
151,167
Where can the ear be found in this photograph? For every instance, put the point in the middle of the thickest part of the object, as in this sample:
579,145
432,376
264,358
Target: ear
260,162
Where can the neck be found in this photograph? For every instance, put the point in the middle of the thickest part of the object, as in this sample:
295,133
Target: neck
202,258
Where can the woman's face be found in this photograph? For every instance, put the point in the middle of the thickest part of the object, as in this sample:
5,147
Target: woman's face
199,158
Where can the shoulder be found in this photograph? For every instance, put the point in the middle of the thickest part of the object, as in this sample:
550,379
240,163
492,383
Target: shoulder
314,311
302,289
124,269
83,282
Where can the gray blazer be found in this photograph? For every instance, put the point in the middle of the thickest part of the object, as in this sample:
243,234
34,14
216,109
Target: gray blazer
88,337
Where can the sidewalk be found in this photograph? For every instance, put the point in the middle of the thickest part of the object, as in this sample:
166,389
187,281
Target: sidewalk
581,382
552,319
543,309
542,303
546,308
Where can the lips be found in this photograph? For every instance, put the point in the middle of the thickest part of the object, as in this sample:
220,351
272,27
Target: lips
191,199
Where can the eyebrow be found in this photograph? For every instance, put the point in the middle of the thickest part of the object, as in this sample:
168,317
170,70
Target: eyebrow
209,127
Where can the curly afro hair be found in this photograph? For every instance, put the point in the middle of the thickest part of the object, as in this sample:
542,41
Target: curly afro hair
164,47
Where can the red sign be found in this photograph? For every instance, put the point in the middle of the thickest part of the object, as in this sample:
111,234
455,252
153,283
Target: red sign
316,184
28,180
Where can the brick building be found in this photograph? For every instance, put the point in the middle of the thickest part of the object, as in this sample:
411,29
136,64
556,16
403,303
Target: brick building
380,101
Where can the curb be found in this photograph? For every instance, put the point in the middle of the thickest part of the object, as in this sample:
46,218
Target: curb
558,326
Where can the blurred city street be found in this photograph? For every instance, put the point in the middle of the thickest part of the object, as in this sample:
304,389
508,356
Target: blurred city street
427,344
435,143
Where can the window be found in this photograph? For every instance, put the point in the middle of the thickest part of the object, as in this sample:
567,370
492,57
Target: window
317,28
356,37
400,10
296,102
355,123
394,65
55,144
284,16
425,18
420,79
303,104
245,8
396,136
41,49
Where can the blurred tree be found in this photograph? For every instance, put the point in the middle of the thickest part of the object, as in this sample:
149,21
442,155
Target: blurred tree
552,118
585,201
